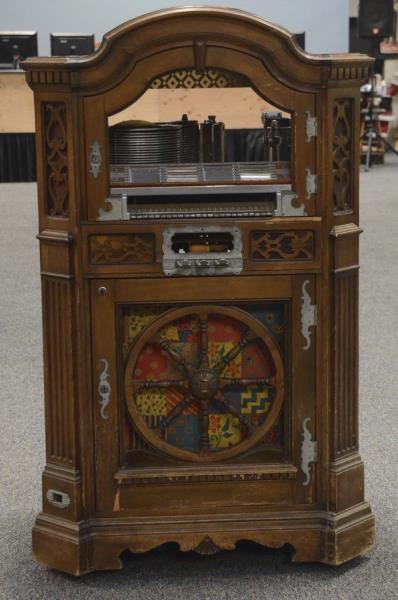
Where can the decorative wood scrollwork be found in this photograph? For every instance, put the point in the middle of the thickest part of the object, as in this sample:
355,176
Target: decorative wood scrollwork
342,154
122,249
207,547
56,152
282,245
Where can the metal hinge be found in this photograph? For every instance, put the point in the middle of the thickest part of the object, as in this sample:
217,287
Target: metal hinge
309,315
309,452
311,183
95,159
311,126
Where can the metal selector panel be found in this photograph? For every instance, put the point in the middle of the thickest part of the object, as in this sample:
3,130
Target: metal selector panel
202,250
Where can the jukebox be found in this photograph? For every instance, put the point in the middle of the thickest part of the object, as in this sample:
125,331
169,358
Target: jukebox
198,194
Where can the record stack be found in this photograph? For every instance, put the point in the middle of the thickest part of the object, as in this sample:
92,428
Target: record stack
137,142
190,139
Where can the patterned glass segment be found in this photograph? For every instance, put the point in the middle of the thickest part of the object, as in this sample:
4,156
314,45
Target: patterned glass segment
204,382
190,78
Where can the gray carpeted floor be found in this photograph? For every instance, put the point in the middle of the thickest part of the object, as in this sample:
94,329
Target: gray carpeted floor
247,573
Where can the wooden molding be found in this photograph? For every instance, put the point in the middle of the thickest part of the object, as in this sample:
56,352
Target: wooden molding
181,25
345,357
60,376
200,55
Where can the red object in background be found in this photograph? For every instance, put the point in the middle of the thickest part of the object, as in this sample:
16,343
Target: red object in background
389,47
392,89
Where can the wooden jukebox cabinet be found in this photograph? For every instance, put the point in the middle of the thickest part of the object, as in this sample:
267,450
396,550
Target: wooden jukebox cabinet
198,192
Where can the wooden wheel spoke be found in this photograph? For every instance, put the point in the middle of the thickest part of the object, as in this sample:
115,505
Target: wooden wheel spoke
234,352
203,342
164,423
231,409
166,383
265,381
204,427
176,356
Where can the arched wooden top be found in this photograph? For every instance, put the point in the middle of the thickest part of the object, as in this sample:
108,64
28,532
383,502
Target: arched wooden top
194,31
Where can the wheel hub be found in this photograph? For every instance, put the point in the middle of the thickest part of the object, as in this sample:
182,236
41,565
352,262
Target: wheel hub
204,384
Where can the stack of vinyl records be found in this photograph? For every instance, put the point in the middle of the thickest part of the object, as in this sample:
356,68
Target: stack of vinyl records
139,142
190,139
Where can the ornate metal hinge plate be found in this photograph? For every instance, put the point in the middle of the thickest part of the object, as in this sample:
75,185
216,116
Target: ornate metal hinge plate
104,388
285,206
308,452
95,159
117,209
311,126
308,315
310,184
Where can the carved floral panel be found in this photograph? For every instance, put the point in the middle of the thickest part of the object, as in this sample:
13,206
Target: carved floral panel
56,157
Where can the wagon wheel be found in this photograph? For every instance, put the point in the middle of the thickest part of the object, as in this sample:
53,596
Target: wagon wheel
202,385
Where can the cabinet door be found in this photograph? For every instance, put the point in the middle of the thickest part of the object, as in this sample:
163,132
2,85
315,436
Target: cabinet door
204,393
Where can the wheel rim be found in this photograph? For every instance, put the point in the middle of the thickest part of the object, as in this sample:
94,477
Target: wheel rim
200,384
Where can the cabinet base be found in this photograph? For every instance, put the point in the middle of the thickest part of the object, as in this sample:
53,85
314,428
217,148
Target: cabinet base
79,548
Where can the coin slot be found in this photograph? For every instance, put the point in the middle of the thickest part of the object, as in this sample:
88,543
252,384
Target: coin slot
202,242
58,499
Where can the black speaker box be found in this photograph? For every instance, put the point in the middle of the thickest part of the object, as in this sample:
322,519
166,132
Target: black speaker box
376,18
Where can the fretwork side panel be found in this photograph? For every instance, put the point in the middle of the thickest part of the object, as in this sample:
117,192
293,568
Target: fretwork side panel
345,363
346,484
55,142
59,365
343,164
